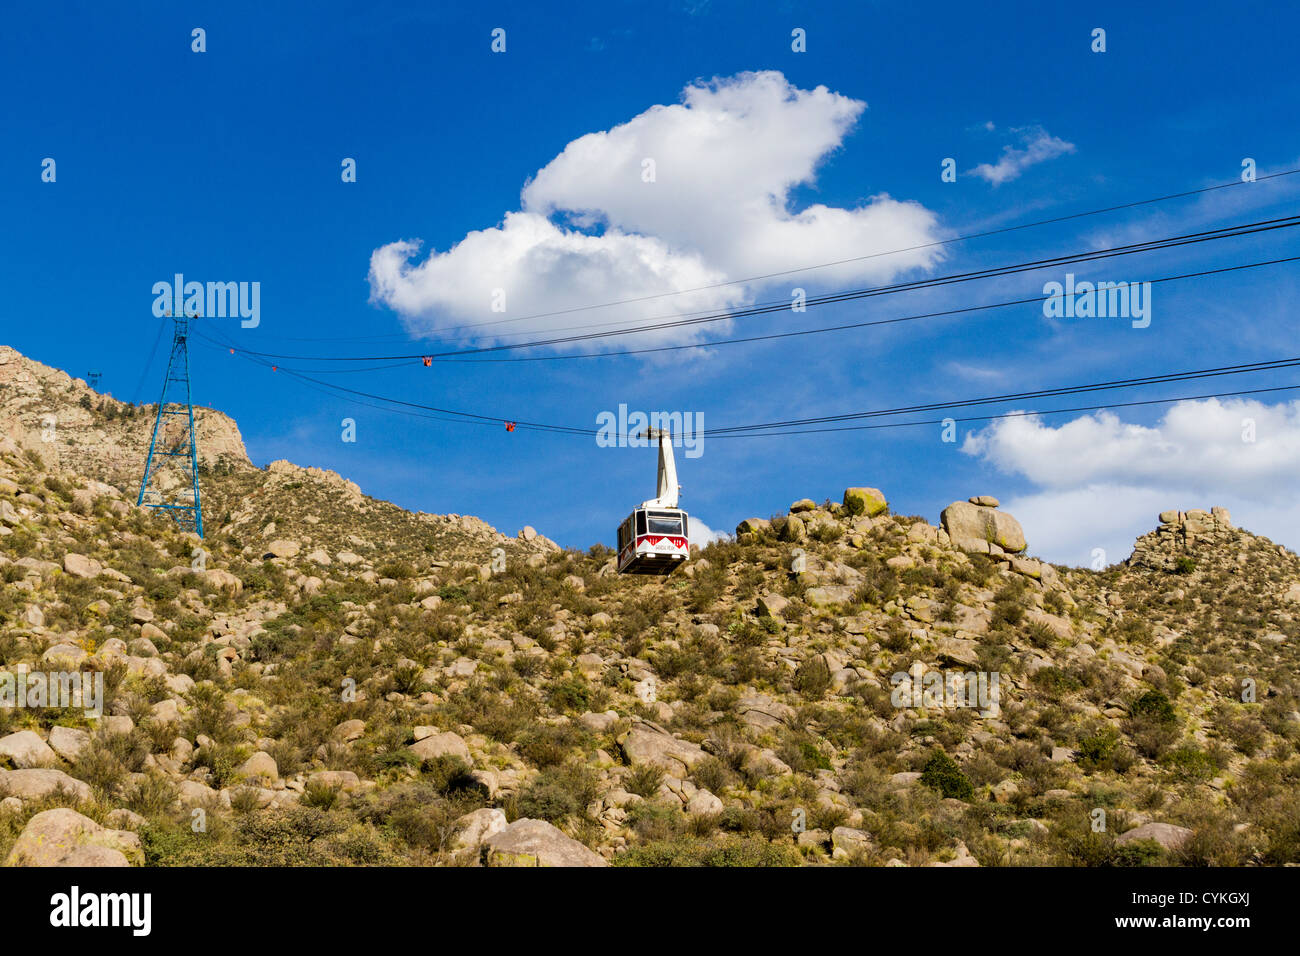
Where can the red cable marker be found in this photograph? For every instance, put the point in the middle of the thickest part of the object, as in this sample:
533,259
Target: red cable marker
428,360
510,426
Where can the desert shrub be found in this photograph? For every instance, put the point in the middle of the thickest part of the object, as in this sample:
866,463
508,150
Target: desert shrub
244,799
1155,705
979,570
407,679
1040,635
1152,724
426,827
943,774
558,792
1073,842
388,750
153,795
1190,763
746,632
1283,839
1132,629
879,585
452,592
1246,733
320,795
653,821
549,744
1054,682
570,694
491,712
813,678
1103,751
398,570
721,851
827,533
802,755
294,836
210,715
1008,607
644,780
711,774
98,766
895,636
1214,842
222,760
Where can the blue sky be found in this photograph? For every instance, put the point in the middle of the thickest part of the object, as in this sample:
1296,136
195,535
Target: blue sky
225,166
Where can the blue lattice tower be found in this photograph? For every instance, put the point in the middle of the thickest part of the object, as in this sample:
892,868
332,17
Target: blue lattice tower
171,472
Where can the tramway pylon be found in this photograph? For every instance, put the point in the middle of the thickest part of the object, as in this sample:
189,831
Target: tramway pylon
171,472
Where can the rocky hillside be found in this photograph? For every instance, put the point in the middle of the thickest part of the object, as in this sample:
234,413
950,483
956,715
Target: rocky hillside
73,427
335,681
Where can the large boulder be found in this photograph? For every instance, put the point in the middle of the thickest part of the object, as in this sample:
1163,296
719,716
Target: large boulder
846,841
26,749
958,650
763,712
345,780
702,804
260,766
864,501
38,783
1168,835
350,730
771,605
63,837
68,654
474,828
283,548
78,565
441,745
537,843
648,743
192,793
829,595
68,742
975,527
223,580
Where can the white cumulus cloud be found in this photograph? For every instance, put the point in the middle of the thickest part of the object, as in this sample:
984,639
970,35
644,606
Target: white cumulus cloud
591,229
698,533
1101,482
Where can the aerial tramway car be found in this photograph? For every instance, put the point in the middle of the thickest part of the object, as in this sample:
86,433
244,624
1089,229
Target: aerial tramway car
655,538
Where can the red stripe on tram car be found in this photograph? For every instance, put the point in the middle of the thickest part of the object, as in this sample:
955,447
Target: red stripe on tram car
653,540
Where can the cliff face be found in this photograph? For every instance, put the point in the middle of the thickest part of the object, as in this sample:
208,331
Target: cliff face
74,428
